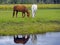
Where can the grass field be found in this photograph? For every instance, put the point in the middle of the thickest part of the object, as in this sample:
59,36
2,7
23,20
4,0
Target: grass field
46,20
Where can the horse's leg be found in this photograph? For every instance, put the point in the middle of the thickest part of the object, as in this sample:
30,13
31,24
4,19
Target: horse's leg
33,14
23,14
16,13
13,13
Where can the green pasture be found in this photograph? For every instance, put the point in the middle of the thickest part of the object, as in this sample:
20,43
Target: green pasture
46,20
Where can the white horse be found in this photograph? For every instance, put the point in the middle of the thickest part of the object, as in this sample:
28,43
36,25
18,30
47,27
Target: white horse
34,8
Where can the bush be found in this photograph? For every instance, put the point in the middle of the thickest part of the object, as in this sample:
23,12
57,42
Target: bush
40,6
6,6
49,6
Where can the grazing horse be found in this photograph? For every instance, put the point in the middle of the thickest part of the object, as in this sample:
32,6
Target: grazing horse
21,40
34,8
20,8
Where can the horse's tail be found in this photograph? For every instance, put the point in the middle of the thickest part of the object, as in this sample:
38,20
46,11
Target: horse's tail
13,13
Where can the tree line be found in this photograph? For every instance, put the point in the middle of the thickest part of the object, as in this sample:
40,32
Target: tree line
29,1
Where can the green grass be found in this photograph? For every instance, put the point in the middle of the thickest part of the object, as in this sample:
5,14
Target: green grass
46,20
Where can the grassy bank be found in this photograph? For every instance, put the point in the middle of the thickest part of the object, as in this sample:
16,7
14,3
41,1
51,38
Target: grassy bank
46,20
40,6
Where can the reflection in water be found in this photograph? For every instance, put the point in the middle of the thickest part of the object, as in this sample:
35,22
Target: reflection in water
22,39
34,39
41,39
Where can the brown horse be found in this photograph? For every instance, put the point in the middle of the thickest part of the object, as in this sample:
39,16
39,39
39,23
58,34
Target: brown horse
21,8
21,40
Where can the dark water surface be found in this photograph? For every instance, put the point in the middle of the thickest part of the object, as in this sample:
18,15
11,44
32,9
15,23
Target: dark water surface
52,38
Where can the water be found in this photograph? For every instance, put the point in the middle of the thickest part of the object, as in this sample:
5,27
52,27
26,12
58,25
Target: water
40,39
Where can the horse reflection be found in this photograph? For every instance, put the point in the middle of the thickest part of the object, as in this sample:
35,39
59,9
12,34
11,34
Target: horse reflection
21,40
34,39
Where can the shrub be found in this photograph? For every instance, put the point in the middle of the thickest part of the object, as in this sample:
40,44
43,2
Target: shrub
40,6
